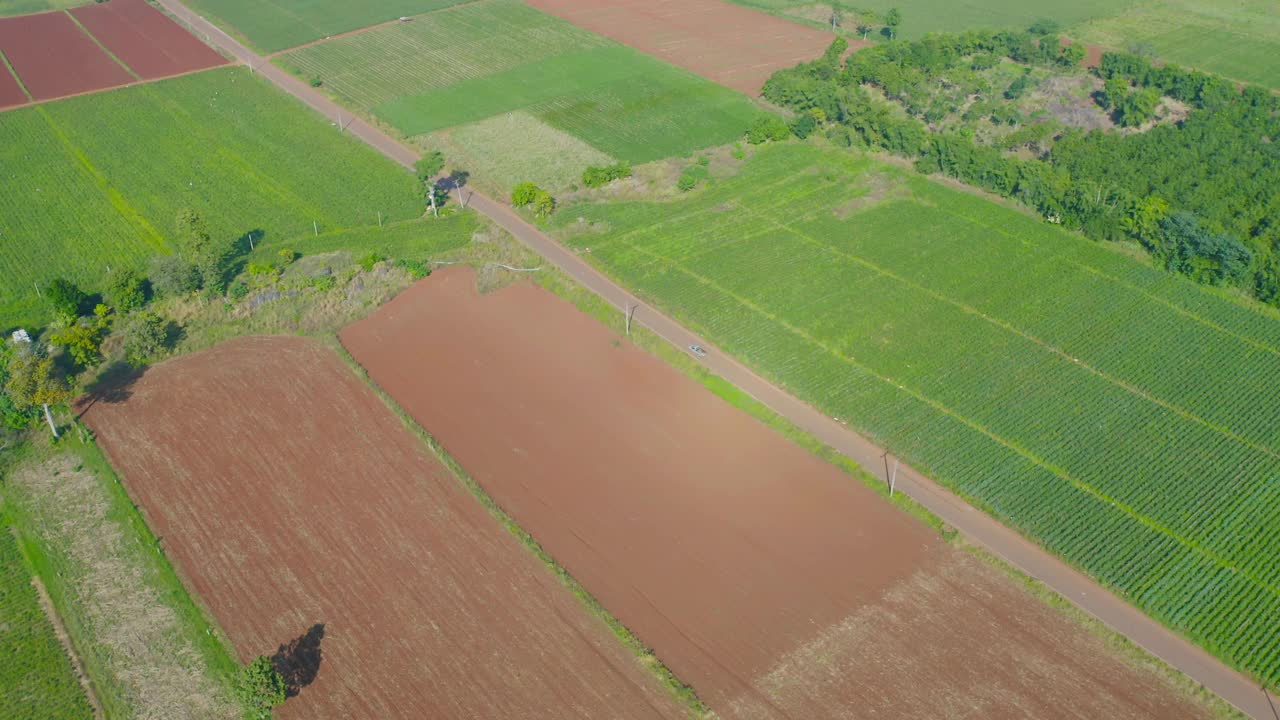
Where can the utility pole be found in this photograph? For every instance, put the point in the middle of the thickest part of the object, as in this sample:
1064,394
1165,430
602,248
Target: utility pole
315,226
630,312
431,193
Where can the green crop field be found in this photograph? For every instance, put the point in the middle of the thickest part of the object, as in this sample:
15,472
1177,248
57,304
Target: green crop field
274,25
1127,419
476,61
925,16
1239,39
79,197
22,7
36,679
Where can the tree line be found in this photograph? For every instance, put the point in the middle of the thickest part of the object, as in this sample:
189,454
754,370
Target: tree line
1199,194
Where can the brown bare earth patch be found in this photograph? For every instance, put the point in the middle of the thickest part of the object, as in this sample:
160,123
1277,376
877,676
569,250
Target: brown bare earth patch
11,94
151,44
727,43
317,529
770,581
55,58
160,673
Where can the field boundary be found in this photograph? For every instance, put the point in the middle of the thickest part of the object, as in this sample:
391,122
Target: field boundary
60,630
101,46
1087,594
684,694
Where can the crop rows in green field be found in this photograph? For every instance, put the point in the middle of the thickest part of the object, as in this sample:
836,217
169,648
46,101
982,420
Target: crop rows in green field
274,25
1127,419
36,679
97,181
468,63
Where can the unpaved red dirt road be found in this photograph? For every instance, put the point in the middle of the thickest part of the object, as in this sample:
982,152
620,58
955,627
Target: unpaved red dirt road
727,43
151,44
288,496
761,575
55,58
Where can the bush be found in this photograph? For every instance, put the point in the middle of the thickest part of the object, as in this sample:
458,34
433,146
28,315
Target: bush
238,290
691,176
429,166
526,194
417,269
803,126
171,275
595,177
767,128
368,261
287,256
126,290
144,335
260,687
66,298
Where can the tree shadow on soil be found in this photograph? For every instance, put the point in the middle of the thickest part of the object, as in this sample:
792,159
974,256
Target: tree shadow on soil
298,661
113,385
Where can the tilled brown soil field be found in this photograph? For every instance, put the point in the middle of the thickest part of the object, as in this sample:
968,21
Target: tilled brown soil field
732,45
773,583
151,44
55,58
314,527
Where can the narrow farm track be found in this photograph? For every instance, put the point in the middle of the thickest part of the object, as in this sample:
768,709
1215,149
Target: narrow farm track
978,527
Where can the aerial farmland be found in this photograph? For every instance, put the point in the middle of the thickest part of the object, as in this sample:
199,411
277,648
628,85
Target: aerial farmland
699,359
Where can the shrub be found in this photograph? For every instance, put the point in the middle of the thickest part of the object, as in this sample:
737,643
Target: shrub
238,290
417,269
287,256
316,82
126,290
368,261
803,126
595,177
767,128
66,298
429,166
526,194
260,687
171,275
144,335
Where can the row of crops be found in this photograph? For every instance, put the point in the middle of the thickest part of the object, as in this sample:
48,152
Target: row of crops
36,679
1125,419
224,142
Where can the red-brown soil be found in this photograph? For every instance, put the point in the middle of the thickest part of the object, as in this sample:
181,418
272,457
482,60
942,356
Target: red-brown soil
10,93
727,43
289,496
773,583
55,58
151,44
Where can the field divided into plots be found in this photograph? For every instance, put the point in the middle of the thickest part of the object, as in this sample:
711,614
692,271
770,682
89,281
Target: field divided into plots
469,63
36,679
274,25
1124,417
222,142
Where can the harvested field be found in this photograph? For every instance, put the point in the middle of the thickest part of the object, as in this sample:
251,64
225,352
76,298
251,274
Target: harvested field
731,45
11,93
151,44
773,583
308,516
55,58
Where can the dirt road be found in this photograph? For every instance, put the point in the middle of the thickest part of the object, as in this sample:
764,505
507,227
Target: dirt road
978,527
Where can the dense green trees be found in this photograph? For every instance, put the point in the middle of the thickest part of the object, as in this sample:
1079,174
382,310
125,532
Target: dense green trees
1200,193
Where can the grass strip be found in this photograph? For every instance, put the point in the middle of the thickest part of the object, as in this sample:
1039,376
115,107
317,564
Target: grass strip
14,73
